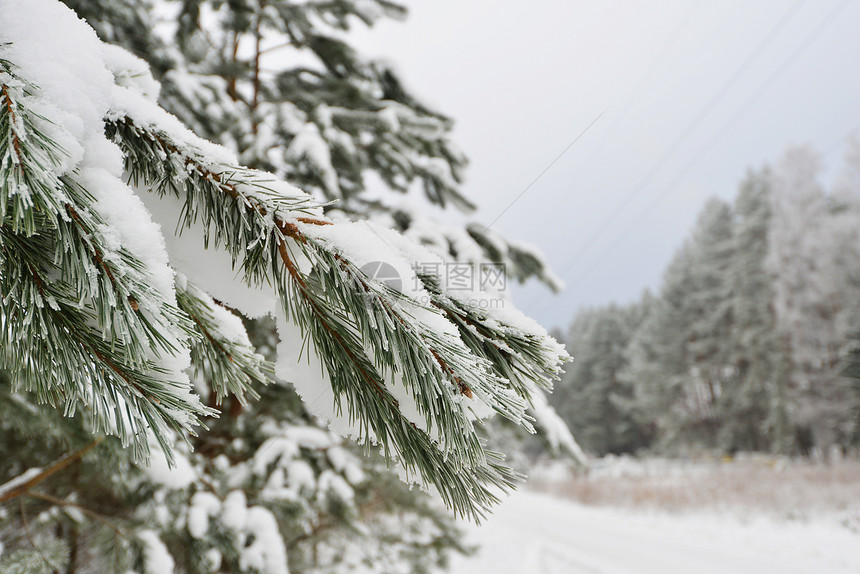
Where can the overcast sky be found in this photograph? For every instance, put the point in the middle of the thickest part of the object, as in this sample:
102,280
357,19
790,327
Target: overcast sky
691,95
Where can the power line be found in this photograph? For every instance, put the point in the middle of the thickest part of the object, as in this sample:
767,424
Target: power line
642,78
784,66
546,169
690,128
663,52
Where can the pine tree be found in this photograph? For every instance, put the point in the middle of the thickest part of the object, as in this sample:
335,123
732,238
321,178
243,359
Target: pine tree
709,312
680,359
94,321
593,397
275,81
813,257
755,404
658,355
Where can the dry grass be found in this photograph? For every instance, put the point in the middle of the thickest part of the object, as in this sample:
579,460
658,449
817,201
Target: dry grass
778,487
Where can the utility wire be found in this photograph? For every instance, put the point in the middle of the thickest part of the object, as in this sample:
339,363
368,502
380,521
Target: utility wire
664,51
546,169
691,127
783,67
647,74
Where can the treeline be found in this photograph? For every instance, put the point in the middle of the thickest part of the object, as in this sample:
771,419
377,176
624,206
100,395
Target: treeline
748,342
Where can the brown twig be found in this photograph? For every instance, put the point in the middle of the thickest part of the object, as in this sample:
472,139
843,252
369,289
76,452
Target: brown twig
291,230
54,468
16,142
91,513
305,291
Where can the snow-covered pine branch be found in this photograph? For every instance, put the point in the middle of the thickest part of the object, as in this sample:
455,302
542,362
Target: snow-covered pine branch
90,312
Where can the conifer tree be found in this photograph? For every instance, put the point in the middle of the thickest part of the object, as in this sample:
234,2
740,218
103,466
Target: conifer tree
710,316
658,355
812,258
679,359
593,397
275,81
100,320
756,402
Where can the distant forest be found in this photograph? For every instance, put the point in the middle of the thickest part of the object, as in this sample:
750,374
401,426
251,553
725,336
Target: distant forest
750,343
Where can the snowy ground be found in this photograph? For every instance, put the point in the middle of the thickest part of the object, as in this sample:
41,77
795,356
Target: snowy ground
538,534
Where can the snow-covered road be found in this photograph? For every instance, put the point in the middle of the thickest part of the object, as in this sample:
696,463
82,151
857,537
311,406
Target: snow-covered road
536,534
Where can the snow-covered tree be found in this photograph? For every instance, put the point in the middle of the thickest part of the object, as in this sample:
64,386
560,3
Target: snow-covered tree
658,355
277,82
813,258
709,314
593,397
103,314
755,403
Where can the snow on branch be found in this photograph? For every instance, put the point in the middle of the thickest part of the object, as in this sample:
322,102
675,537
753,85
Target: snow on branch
91,311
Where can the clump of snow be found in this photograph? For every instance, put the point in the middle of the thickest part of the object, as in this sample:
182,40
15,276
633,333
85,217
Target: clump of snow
229,325
300,475
129,102
181,475
156,557
308,144
299,363
291,477
234,510
213,559
555,282
212,270
64,59
130,71
267,553
19,480
203,506
261,547
335,484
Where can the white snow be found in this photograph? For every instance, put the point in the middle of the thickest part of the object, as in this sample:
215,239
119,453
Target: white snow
310,145
234,510
203,505
213,559
299,364
267,553
66,61
536,533
19,480
333,483
300,476
210,269
130,102
130,71
158,470
274,449
310,437
156,557
554,429
229,326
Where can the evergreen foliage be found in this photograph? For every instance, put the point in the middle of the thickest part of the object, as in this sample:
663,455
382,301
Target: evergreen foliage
749,344
94,321
593,392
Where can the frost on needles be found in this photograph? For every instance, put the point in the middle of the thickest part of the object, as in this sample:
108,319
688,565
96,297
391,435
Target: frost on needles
104,310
